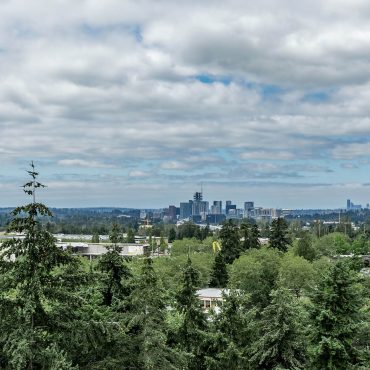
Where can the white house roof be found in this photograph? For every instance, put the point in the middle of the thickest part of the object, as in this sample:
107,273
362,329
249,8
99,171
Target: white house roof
212,292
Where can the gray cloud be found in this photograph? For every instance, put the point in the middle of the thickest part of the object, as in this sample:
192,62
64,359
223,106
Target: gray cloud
193,91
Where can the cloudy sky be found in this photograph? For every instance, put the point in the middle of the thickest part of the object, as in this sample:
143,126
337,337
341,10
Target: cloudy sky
136,103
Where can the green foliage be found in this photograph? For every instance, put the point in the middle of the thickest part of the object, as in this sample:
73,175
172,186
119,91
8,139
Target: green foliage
256,272
336,319
219,275
332,244
230,241
280,344
192,246
149,349
361,245
33,289
115,235
304,246
114,270
130,236
279,235
162,244
232,333
95,238
250,234
171,235
189,230
296,274
169,270
191,333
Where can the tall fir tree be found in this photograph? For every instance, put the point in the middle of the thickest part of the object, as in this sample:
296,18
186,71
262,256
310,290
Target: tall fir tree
336,317
279,343
34,289
232,333
147,326
192,331
230,241
279,235
219,274
130,236
250,234
115,270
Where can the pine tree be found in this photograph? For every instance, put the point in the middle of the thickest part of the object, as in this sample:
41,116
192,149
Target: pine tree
219,275
250,234
255,237
279,234
279,344
171,235
33,289
162,244
115,235
95,238
336,318
130,237
113,266
232,333
230,241
147,326
191,335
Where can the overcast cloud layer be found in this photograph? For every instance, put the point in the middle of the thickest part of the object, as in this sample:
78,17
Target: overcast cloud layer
136,103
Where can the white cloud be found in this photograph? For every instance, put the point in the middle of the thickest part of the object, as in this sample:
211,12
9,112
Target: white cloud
173,165
139,174
83,163
188,86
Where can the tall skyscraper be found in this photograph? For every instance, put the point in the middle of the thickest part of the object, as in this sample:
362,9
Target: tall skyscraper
216,208
186,209
248,209
229,206
172,213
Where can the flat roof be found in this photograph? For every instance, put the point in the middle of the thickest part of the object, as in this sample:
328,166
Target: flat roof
212,292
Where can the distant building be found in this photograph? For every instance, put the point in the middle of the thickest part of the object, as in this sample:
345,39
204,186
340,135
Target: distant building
248,209
200,207
353,207
172,213
186,209
216,208
215,219
266,213
229,206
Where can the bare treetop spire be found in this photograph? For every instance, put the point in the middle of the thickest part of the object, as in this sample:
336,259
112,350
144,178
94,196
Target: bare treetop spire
30,187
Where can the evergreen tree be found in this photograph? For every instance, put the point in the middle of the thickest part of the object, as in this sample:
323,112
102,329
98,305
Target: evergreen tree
279,344
33,290
115,270
219,275
250,234
171,235
115,235
147,326
232,333
162,244
95,238
279,234
191,335
336,319
230,241
130,237
255,237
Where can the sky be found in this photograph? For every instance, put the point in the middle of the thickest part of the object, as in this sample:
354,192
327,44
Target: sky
140,103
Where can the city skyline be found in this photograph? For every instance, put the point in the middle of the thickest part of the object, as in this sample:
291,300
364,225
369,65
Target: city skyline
133,104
